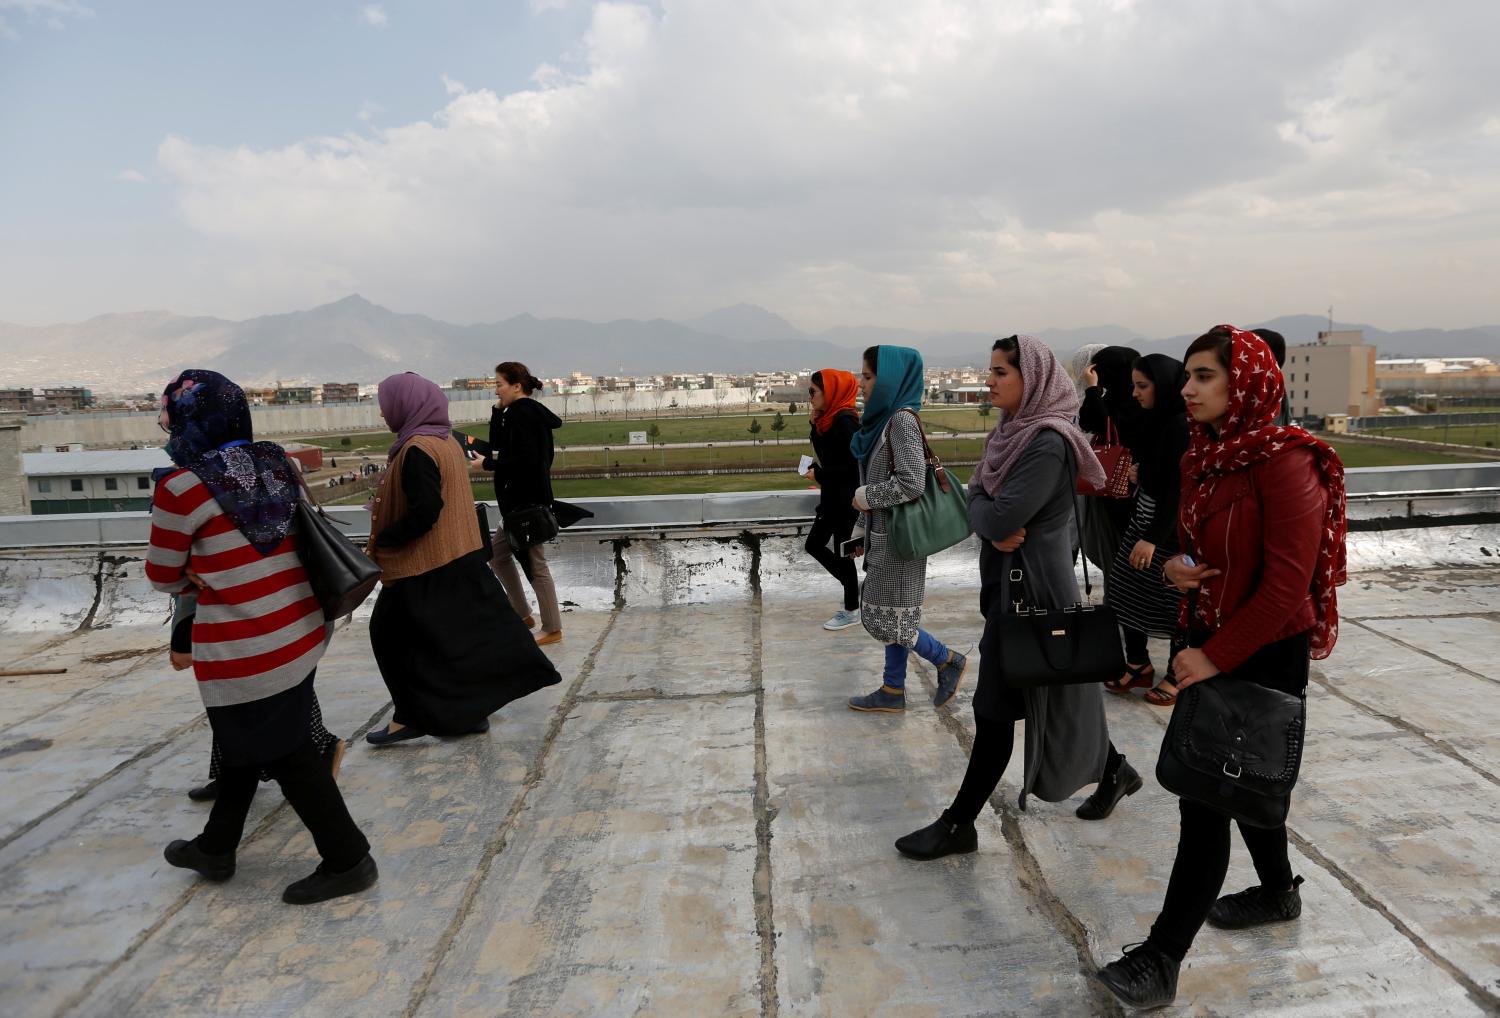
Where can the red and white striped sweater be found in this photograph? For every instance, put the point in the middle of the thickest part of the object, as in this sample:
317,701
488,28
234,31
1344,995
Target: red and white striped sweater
259,629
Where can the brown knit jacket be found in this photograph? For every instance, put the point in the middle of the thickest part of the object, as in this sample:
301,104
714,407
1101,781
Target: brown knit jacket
456,532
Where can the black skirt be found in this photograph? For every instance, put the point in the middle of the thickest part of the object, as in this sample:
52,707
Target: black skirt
451,649
264,730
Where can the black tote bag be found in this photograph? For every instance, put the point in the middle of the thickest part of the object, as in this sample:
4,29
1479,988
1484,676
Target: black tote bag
341,575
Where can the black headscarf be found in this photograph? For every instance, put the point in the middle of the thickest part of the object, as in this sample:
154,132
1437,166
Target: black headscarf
1161,433
255,483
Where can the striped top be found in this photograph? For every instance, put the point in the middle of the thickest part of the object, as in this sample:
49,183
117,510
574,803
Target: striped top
259,629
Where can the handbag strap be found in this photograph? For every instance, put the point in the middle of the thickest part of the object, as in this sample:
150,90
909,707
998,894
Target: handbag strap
930,457
313,502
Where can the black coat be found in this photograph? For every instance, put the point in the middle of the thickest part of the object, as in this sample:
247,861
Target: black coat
836,469
520,454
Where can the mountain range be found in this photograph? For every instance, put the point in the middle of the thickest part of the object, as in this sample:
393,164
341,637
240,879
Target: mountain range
353,339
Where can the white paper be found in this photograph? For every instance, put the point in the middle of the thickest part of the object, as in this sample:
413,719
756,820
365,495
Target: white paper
804,464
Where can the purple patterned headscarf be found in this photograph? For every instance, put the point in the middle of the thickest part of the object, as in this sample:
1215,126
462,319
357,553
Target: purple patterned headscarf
1048,400
413,405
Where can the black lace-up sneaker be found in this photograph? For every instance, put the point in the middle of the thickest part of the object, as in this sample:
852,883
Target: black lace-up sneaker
1256,906
1144,978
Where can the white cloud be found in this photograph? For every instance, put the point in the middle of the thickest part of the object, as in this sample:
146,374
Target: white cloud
368,111
132,175
374,14
54,14
1086,160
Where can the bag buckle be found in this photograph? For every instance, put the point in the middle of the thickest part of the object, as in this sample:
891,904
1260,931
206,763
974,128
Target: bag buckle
1016,576
1019,608
1237,769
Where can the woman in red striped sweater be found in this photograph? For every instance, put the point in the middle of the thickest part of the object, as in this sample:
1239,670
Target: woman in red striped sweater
221,523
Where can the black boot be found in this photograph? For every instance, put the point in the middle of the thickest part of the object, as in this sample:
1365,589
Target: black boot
1256,906
938,839
1113,787
1143,978
204,793
189,856
322,885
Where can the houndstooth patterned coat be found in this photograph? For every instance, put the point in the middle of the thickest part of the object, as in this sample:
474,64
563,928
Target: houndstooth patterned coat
891,598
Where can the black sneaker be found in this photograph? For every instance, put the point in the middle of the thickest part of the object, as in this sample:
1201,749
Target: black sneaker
1144,978
1256,906
323,885
1112,788
938,839
189,856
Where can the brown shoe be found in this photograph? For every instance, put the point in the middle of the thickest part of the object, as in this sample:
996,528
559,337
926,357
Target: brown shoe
337,758
529,622
546,639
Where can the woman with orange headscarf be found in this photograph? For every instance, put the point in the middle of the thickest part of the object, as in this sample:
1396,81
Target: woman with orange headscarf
834,422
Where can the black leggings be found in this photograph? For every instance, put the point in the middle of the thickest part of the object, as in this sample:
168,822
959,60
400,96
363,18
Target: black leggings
994,739
1198,873
842,569
308,785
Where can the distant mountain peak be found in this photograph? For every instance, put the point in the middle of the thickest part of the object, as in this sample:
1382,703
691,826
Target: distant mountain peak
747,323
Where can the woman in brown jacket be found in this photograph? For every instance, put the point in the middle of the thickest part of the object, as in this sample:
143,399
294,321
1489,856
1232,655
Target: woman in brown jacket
450,648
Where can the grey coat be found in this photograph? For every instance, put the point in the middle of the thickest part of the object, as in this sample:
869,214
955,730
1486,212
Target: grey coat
1067,738
891,598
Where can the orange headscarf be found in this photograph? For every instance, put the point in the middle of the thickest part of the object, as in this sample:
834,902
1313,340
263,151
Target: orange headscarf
839,390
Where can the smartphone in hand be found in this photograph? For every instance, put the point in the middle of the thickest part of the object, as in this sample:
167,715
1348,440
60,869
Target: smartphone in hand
851,547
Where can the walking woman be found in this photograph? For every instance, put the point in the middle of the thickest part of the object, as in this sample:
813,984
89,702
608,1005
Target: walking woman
834,424
1144,605
891,452
1263,519
222,524
520,454
449,647
1108,414
1021,506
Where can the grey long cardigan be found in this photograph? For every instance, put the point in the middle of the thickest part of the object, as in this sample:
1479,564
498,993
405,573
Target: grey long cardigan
1067,738
891,598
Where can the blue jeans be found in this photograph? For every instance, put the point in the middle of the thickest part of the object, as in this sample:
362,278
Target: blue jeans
929,648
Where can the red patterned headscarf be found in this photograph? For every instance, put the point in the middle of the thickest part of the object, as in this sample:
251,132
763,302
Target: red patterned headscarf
1250,436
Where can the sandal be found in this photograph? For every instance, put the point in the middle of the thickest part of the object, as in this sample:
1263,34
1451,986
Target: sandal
1160,697
1135,677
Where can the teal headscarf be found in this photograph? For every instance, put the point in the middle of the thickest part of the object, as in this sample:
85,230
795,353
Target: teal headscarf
898,386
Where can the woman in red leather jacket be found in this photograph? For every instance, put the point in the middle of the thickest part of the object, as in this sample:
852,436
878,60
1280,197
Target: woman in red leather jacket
1262,526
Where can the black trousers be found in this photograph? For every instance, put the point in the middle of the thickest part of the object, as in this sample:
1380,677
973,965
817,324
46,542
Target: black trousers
1138,647
841,568
1199,870
994,741
308,785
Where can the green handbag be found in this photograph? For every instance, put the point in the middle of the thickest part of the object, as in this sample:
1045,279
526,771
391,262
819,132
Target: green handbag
937,519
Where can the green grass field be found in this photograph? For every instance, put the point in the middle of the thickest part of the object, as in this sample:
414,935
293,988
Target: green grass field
1482,435
1363,454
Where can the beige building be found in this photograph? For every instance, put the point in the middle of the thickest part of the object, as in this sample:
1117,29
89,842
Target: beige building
12,481
1440,377
1335,375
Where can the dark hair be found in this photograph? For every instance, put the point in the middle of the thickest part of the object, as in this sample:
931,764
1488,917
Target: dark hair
1011,347
872,358
1218,340
1276,341
817,380
517,373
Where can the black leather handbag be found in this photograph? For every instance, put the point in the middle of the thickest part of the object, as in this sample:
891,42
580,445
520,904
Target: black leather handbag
1033,647
1235,746
530,526
341,575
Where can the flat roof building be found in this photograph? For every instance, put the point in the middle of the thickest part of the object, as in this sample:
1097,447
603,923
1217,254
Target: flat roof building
115,480
1335,375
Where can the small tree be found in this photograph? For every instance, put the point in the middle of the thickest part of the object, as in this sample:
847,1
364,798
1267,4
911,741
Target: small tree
984,409
778,425
754,428
346,440
791,408
653,432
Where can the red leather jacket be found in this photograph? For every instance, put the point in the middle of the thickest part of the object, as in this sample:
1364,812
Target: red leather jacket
1262,528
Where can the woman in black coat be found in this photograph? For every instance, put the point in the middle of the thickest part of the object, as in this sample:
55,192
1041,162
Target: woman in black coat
1109,413
520,455
834,422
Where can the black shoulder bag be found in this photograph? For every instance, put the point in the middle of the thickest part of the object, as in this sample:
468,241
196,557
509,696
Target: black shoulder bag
1235,746
341,575
1030,647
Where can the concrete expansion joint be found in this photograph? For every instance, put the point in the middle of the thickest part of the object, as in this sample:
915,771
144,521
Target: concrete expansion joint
1427,653
765,813
656,694
1028,870
497,841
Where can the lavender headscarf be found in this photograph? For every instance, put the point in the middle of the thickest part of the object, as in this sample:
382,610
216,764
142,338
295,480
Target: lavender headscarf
1048,401
413,405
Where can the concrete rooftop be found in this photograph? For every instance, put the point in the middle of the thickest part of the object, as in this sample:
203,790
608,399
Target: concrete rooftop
692,823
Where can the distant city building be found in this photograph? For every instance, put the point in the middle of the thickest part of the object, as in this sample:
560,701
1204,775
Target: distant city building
1436,377
964,394
54,399
12,478
340,392
259,395
1335,375
293,394
473,384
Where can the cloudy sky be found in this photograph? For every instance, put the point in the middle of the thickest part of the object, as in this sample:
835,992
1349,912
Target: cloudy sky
994,165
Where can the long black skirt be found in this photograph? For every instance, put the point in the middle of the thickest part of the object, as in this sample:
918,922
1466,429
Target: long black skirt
264,730
451,649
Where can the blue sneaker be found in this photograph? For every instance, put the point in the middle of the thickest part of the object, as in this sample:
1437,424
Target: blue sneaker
948,678
842,619
884,700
